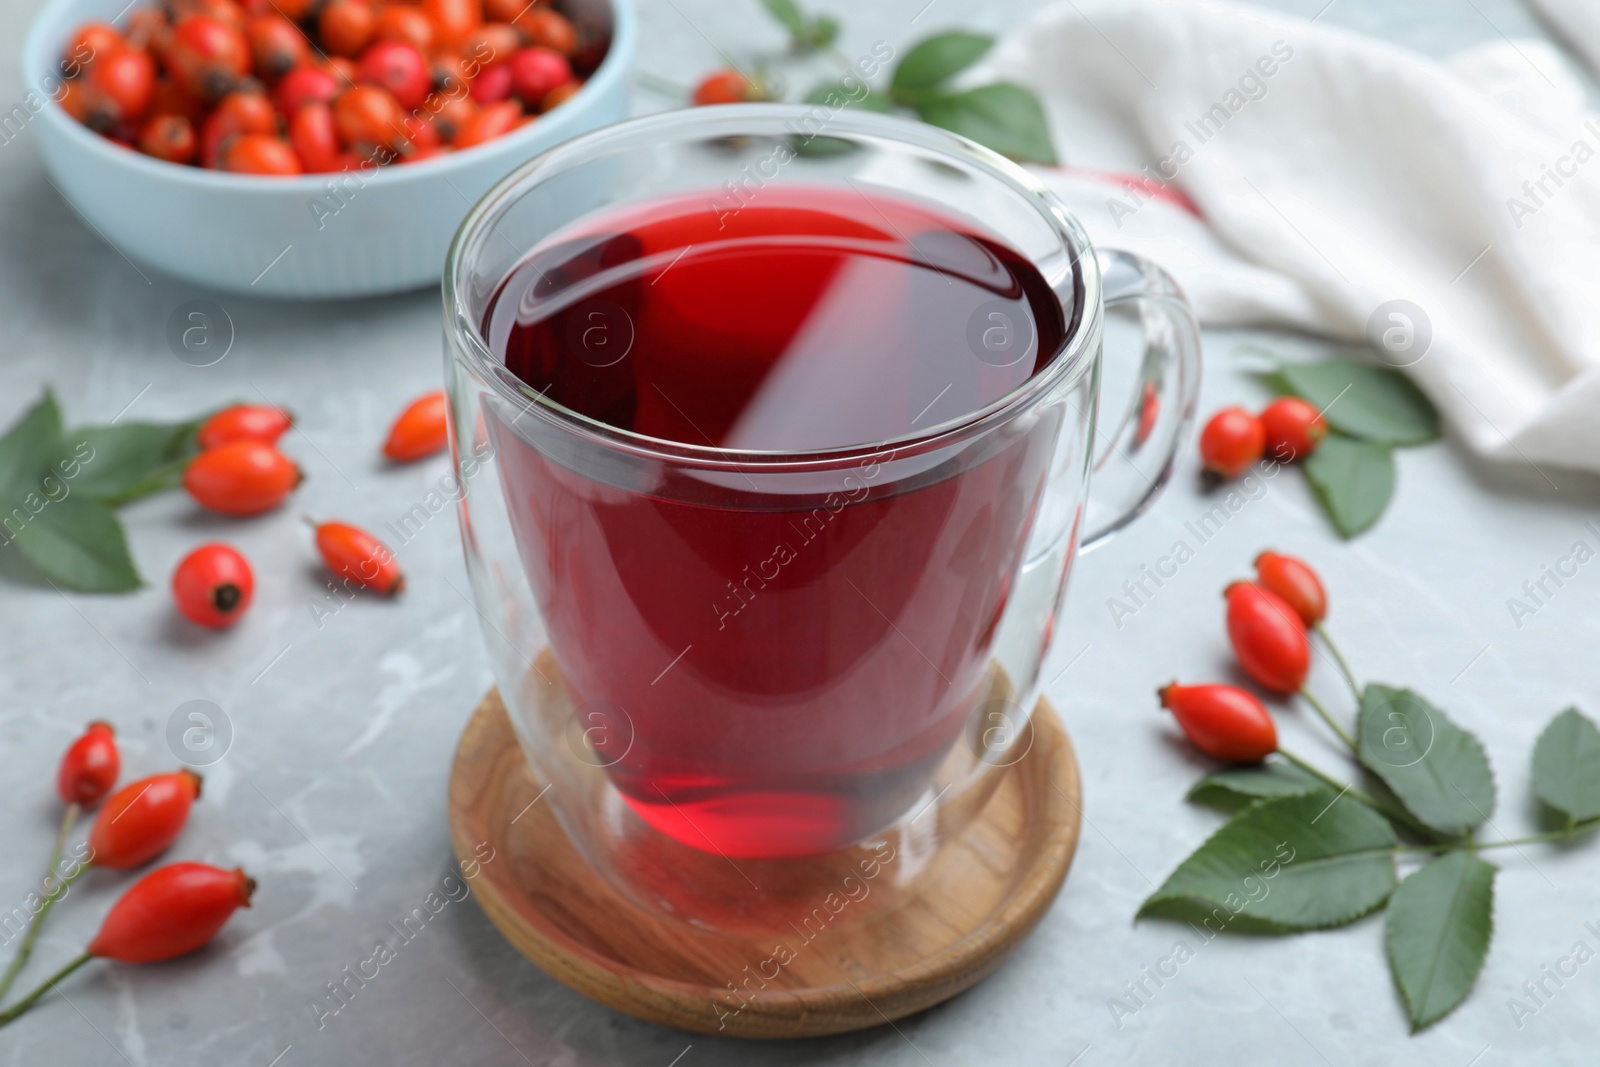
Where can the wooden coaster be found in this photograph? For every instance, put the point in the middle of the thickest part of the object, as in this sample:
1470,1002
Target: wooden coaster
956,914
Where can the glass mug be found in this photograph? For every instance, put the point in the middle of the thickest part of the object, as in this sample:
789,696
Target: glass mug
739,671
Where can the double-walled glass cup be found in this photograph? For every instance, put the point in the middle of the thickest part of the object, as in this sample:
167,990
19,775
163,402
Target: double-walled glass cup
739,672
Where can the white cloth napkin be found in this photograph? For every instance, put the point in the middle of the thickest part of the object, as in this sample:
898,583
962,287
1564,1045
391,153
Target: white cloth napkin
1336,173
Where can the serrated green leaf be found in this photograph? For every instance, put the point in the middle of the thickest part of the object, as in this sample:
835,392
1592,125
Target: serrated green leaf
1439,771
117,464
1284,865
78,544
1240,787
1352,479
1566,766
788,14
1440,921
1002,116
937,59
1373,403
27,447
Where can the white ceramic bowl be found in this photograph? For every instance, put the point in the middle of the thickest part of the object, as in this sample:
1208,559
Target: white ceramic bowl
373,232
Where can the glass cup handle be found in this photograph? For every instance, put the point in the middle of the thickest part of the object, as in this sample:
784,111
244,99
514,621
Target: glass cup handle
1137,454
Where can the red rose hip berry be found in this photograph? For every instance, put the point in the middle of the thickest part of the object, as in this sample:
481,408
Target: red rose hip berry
421,430
536,71
241,478
141,819
244,422
354,554
1230,444
1293,428
723,87
1222,721
399,67
213,586
170,912
1268,638
1296,583
89,768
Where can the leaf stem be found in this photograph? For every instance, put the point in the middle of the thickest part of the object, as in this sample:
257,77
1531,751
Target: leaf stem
52,894
1587,827
1332,725
26,1002
1339,660
1389,812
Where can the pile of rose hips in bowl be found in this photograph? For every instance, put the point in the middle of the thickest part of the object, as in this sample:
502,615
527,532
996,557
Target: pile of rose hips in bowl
1234,440
285,87
241,472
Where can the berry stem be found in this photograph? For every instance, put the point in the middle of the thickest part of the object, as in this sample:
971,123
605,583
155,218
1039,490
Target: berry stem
53,893
26,1002
1338,659
1322,711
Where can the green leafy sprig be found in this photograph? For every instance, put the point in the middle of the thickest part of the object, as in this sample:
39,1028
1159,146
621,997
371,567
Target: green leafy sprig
59,489
1370,411
1001,115
1303,851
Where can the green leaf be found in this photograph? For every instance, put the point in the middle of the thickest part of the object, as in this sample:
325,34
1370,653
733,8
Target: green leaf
822,31
1440,920
933,61
1002,116
1373,403
1283,865
117,464
787,13
1436,769
78,544
1240,787
837,94
1352,479
1566,766
27,447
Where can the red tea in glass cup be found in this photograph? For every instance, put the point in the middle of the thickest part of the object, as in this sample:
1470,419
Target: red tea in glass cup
792,479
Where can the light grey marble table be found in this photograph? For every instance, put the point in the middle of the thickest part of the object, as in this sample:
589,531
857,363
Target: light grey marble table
333,792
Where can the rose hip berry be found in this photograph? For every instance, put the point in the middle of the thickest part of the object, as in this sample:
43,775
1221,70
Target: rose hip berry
244,422
1293,428
169,137
89,768
421,430
347,26
260,153
1296,583
141,819
1222,721
212,586
723,87
398,22
453,20
276,44
304,84
314,139
241,478
536,71
170,912
1268,638
489,122
207,57
352,553
546,28
493,84
1231,443
369,118
398,67
120,87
